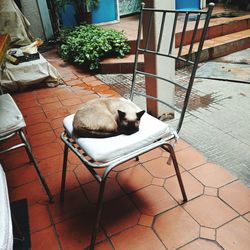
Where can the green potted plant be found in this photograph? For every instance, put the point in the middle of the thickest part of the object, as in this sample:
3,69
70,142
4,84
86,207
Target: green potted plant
83,8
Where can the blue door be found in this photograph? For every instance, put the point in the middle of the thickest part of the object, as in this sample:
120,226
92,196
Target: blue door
107,11
187,4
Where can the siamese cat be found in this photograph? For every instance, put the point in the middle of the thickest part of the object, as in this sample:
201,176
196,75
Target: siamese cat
106,117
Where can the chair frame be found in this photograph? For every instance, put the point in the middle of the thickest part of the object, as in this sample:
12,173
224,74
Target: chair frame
165,143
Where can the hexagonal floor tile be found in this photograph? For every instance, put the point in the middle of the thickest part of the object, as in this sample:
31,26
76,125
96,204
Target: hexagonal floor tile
139,238
119,215
210,211
134,178
159,168
212,175
237,196
190,158
176,228
153,200
193,187
201,244
235,235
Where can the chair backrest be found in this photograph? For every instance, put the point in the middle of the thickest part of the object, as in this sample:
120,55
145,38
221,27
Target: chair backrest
186,31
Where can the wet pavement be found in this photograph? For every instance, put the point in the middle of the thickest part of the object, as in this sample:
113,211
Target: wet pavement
218,120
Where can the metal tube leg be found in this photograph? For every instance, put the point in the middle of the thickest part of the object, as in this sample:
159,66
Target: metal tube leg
177,170
99,213
65,159
32,158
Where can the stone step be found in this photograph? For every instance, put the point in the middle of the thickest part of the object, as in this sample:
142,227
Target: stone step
213,48
224,36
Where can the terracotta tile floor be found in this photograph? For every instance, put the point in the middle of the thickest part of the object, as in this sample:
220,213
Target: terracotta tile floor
143,206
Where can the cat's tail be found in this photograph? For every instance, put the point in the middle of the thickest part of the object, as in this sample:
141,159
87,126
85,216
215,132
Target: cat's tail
93,133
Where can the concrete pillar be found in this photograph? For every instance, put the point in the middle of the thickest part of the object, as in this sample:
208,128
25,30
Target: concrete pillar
164,67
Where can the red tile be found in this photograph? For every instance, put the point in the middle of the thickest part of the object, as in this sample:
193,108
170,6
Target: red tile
158,182
176,228
32,191
104,246
112,190
125,165
42,138
47,150
74,203
146,220
71,102
201,244
51,165
235,234
51,106
57,123
57,113
190,158
54,182
39,217
119,215
32,119
21,175
38,128
159,168
45,239
75,233
134,178
155,153
237,196
83,175
153,200
211,191
212,175
32,110
138,237
48,100
192,187
210,211
207,233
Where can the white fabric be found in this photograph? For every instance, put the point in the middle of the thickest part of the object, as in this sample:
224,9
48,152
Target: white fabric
13,22
29,73
11,118
6,235
107,149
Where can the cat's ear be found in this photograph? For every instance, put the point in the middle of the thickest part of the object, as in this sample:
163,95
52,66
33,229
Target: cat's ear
140,114
121,114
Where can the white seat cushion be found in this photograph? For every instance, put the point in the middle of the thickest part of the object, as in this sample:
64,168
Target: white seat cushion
6,235
11,117
107,149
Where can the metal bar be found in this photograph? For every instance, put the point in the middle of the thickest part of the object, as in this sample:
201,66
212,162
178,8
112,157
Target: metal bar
166,55
137,51
64,171
173,34
177,170
161,78
161,31
12,148
149,29
158,100
183,34
194,35
32,158
99,213
197,58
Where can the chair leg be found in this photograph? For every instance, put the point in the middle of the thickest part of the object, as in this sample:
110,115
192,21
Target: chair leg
99,213
32,158
177,170
65,160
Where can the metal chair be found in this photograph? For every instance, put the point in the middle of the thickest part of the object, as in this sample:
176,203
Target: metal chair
12,123
108,153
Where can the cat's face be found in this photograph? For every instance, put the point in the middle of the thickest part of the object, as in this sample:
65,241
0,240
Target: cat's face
129,123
